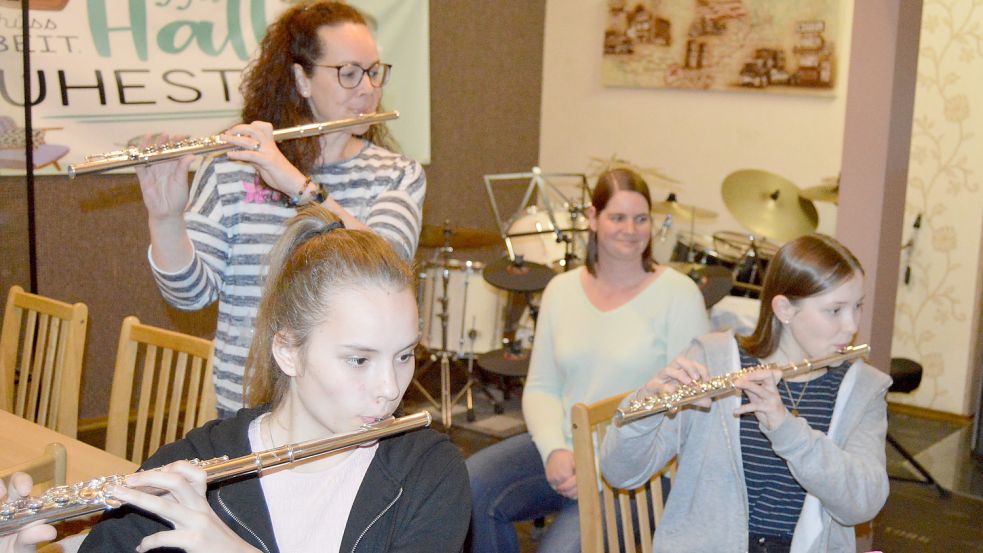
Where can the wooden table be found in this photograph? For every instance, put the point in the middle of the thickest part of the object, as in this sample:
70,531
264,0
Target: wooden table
22,440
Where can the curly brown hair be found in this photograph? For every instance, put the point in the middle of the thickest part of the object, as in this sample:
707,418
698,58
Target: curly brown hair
269,89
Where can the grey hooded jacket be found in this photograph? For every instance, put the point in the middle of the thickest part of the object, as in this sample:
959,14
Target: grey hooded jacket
843,473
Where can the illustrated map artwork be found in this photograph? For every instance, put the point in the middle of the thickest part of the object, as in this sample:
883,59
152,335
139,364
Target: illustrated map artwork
785,46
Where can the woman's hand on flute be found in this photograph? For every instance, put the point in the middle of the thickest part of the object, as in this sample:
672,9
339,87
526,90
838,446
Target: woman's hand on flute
165,193
679,372
258,147
197,529
764,400
561,474
164,185
27,538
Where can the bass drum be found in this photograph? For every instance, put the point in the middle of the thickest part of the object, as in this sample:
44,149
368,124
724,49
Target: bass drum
474,308
536,240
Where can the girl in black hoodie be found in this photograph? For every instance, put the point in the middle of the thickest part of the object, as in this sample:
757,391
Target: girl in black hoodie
333,350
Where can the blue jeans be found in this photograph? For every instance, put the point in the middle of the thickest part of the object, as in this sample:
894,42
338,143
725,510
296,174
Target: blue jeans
508,484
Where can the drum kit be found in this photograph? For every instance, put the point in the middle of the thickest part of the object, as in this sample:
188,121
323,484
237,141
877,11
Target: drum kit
482,316
467,310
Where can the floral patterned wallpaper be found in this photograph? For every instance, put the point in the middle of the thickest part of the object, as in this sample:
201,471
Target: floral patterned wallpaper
937,308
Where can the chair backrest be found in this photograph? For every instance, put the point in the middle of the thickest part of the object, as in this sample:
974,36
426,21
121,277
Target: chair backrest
46,471
41,348
599,522
173,372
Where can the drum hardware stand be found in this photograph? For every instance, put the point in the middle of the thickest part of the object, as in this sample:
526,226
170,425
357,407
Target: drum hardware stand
443,356
467,392
757,266
567,238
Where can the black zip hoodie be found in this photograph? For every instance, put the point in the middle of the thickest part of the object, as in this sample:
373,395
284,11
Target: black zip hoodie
415,496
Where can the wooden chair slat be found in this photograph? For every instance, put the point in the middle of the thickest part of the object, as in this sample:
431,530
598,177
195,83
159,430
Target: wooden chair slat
27,361
177,389
47,373
143,406
160,400
194,389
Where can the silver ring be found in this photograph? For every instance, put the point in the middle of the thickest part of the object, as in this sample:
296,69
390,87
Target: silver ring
256,147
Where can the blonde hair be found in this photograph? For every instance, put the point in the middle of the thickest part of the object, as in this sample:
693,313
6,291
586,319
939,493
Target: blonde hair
314,260
805,267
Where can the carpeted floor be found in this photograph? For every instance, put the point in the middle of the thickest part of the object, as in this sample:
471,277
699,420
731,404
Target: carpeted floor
916,519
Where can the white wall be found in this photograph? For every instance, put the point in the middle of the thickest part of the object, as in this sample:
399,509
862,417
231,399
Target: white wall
696,137
700,137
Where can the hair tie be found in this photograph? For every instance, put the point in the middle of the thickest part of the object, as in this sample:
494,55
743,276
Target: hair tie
333,226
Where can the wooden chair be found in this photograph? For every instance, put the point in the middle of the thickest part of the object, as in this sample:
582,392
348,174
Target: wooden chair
171,397
47,471
590,423
41,348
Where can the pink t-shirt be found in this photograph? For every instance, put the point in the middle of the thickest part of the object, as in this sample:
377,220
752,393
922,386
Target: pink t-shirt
310,510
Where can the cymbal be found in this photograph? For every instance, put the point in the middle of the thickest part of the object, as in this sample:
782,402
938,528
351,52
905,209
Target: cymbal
680,210
433,236
769,205
823,193
599,165
714,281
509,275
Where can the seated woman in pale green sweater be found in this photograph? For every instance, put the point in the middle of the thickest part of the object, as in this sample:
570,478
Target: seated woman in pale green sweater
602,329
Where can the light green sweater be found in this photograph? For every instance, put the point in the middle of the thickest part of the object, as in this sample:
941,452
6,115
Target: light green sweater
581,354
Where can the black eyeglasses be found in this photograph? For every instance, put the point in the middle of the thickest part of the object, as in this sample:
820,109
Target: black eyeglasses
350,74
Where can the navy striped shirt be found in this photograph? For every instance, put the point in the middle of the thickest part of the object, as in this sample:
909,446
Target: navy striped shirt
774,497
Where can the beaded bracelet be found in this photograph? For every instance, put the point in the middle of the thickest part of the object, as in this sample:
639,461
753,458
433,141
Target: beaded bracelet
312,189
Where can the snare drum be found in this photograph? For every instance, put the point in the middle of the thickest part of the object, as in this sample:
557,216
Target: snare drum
699,248
542,246
474,307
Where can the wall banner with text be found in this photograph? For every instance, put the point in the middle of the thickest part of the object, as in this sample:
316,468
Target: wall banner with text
106,72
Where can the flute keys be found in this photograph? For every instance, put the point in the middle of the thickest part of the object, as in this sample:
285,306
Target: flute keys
8,510
61,495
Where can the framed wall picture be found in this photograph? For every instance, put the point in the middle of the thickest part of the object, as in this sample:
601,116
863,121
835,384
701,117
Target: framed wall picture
784,46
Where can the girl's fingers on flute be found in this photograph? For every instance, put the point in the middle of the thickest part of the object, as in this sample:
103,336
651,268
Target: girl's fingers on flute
694,370
19,485
163,507
186,489
192,474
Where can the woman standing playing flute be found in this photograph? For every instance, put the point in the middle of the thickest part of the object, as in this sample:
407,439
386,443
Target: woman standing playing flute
318,62
785,465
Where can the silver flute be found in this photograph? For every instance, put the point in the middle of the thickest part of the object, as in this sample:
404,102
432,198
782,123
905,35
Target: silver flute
144,156
723,384
86,498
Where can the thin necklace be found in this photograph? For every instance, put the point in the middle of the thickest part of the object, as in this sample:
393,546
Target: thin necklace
795,402
269,430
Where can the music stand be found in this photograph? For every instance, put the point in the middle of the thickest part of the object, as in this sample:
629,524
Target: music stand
542,188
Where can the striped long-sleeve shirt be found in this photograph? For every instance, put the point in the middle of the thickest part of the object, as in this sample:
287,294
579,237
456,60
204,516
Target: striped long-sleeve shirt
775,497
233,223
